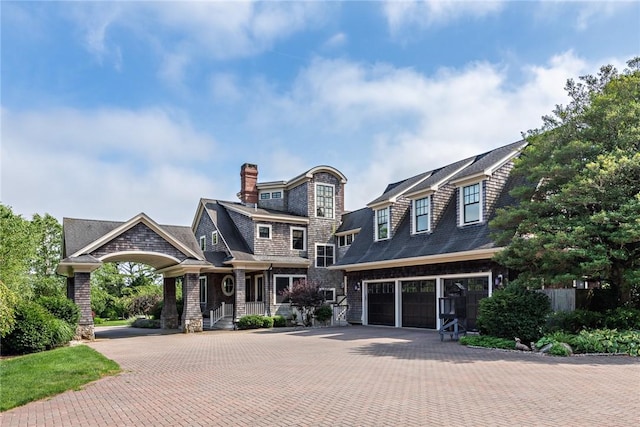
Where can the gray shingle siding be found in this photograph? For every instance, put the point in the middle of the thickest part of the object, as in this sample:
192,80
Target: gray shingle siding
245,226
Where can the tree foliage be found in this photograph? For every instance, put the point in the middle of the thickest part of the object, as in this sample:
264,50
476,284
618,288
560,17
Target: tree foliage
306,296
579,210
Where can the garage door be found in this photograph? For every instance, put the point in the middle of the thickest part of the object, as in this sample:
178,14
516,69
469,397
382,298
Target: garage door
381,304
419,304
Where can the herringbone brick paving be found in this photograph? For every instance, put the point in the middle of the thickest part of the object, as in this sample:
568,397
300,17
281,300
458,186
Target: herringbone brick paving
350,376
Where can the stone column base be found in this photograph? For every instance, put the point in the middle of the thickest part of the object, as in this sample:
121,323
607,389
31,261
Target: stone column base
192,325
85,332
170,322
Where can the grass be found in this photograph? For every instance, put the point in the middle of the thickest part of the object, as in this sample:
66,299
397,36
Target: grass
39,375
121,322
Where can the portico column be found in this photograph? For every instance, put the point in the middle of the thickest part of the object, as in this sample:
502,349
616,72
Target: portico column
191,314
240,293
169,316
79,287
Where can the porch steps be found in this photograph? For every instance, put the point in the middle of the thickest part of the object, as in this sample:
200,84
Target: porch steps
225,323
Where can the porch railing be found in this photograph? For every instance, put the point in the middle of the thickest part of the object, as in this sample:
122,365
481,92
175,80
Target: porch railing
255,307
223,310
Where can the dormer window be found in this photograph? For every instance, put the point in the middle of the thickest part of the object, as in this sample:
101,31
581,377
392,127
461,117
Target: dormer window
471,204
422,215
382,224
325,198
264,231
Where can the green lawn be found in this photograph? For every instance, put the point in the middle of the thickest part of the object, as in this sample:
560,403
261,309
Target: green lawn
27,378
121,322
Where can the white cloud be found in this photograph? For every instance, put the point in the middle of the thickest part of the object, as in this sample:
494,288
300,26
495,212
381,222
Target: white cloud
405,15
392,123
116,163
335,41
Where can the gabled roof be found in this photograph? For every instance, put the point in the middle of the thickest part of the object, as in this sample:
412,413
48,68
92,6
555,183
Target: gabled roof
447,241
82,236
394,190
305,176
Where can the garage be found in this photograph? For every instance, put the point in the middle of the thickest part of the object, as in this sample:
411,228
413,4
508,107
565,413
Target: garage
381,303
419,304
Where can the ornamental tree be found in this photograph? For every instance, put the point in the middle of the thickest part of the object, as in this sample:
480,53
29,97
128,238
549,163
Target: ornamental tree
578,214
306,296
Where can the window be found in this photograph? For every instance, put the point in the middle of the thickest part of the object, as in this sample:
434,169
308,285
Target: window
346,239
329,294
228,285
282,283
203,243
470,204
324,200
214,238
298,239
276,195
324,255
382,224
421,210
203,289
265,196
264,231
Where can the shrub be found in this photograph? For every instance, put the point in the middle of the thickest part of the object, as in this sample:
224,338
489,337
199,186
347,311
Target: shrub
608,341
324,313
143,304
267,322
35,330
623,318
146,323
279,321
8,301
252,321
61,307
488,341
514,312
574,321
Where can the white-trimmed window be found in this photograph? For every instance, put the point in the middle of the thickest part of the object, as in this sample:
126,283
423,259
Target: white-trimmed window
203,243
422,215
325,200
264,231
329,294
276,195
203,289
214,238
346,239
265,196
324,255
282,282
298,238
382,224
228,285
471,204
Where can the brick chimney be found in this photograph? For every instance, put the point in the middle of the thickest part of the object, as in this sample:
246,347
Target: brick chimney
248,181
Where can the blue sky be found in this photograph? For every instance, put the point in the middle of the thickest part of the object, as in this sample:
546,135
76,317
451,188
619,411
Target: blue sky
110,109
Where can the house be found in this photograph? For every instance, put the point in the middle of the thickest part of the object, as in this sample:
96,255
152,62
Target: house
424,237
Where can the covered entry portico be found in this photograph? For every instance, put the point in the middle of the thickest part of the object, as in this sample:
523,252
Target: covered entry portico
171,250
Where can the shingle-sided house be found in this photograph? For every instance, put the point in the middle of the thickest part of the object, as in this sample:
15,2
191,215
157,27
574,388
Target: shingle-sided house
424,237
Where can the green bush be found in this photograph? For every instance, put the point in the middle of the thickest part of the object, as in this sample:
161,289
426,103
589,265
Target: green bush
488,341
252,321
61,307
574,321
35,330
267,322
279,321
514,312
607,341
8,301
146,323
324,313
622,318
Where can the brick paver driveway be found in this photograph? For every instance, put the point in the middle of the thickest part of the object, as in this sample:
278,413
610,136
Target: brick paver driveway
352,376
